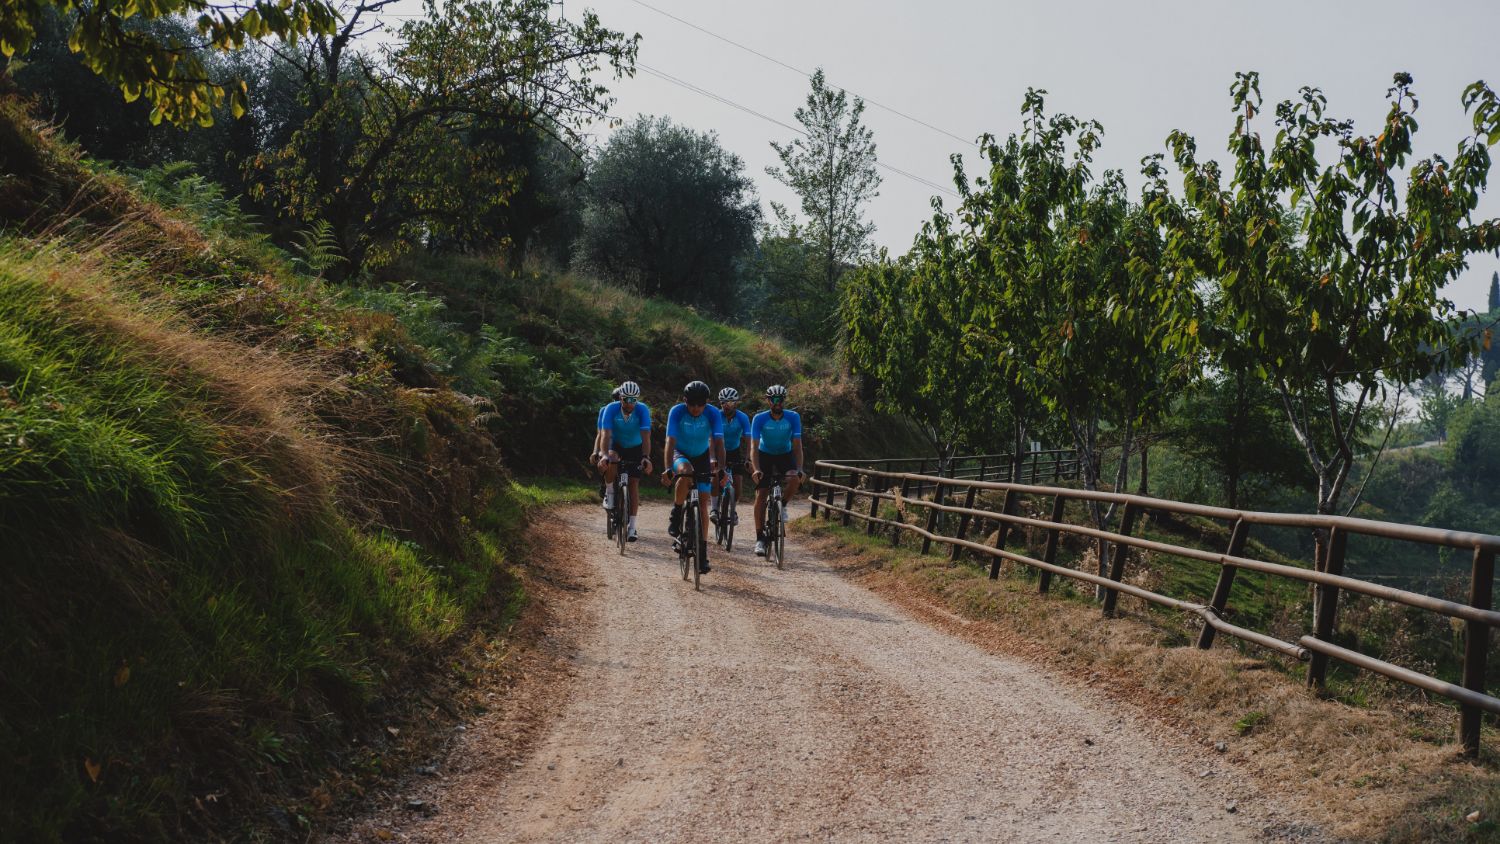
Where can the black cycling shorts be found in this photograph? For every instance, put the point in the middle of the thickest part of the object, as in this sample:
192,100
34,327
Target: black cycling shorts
735,460
702,470
773,467
630,459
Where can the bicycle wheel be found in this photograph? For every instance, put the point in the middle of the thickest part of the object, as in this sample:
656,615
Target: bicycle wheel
719,522
684,546
727,519
780,537
699,552
773,518
622,492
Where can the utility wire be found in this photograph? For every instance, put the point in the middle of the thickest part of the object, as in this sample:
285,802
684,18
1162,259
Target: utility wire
780,63
667,77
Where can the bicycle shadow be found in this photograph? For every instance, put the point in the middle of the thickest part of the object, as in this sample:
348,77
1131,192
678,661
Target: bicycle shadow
799,606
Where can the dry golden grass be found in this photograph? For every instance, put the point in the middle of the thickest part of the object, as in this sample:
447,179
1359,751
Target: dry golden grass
1389,772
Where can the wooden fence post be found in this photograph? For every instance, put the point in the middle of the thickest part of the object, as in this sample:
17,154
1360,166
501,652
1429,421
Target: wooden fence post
849,495
963,522
1328,607
1056,466
813,499
1117,565
1476,647
1036,457
1237,536
896,530
932,515
828,500
1002,531
1053,535
874,505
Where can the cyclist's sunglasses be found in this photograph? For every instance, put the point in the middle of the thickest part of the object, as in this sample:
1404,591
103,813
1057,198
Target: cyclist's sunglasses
627,400
778,399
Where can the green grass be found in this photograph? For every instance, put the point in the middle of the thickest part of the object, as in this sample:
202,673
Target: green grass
188,608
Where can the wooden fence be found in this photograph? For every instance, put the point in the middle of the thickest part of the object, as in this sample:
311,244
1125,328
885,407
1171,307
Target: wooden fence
864,487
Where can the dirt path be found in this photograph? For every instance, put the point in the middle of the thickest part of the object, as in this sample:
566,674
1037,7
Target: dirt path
794,704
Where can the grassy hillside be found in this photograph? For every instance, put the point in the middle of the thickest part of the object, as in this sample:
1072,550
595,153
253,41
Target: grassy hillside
231,521
549,347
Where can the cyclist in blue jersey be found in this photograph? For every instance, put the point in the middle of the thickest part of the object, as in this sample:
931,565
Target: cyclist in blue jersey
775,453
625,440
598,452
694,452
736,438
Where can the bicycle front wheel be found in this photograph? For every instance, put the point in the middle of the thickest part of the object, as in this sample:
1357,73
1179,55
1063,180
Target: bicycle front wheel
727,520
700,552
780,542
621,493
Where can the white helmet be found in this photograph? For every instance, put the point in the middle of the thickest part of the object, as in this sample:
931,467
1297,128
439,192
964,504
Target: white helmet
729,394
630,390
776,391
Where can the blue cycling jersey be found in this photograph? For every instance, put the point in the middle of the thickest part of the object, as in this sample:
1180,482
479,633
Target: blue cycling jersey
736,428
774,436
625,431
693,433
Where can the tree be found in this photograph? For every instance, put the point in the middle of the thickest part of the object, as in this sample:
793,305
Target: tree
907,325
1494,292
392,153
1436,405
1349,299
166,66
1071,272
832,170
670,212
1231,424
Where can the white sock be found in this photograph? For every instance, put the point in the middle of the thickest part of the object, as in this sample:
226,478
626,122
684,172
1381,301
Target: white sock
632,522
609,496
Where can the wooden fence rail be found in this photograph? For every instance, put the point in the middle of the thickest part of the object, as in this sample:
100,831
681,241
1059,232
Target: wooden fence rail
875,482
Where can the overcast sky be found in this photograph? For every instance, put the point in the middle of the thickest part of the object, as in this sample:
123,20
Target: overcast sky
1142,69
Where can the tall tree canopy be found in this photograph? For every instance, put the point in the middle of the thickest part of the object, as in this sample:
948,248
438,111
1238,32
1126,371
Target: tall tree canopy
832,170
166,65
670,212
389,155
1330,253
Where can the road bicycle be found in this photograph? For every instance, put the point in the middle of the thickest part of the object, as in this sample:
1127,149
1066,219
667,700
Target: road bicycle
725,515
616,518
775,526
689,543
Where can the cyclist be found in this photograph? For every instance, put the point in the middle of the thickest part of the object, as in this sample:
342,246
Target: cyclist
598,452
736,438
775,452
625,440
693,453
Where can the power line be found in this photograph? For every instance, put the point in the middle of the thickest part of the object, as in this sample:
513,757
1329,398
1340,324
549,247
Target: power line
778,62
667,77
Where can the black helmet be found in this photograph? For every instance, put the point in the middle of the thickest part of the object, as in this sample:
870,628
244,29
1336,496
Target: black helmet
776,391
696,392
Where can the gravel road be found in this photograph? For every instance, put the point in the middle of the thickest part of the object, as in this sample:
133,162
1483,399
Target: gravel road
779,705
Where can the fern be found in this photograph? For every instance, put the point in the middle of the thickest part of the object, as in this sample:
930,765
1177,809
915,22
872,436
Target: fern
317,250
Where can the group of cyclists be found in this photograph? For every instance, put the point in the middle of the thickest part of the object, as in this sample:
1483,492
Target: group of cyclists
702,441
